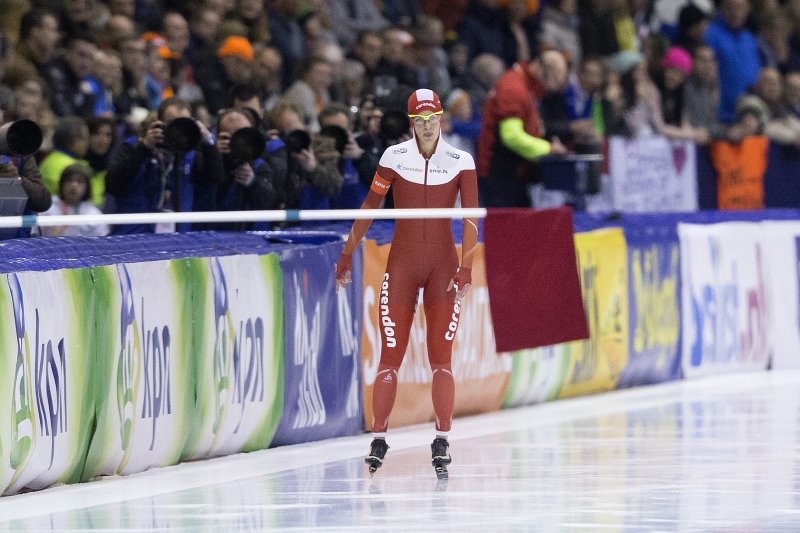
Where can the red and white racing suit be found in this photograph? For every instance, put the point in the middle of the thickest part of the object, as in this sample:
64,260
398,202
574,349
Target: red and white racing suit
423,255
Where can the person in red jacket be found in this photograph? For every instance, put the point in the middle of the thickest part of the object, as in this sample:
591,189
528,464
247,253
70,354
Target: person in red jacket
512,131
424,172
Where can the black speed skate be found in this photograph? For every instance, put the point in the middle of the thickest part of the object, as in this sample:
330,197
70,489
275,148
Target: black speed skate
440,457
377,451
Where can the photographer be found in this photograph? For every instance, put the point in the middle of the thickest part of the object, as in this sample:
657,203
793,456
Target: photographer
142,174
312,173
381,128
356,165
26,169
248,182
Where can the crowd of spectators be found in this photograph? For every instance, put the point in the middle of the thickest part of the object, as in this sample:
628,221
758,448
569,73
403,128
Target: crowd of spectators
326,81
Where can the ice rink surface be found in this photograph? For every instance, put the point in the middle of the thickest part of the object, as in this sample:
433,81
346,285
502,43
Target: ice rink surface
718,454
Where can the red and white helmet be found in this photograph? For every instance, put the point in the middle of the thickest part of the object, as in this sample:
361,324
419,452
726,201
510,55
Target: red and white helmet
423,100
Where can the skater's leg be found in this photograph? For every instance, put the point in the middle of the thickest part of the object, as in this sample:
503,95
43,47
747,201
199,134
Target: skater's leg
385,387
442,315
442,321
398,300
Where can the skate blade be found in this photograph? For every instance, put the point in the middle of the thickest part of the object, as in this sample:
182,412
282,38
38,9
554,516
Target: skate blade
442,473
372,468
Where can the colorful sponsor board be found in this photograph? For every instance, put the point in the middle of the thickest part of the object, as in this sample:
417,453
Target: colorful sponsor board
596,364
654,309
45,323
536,375
239,354
724,299
322,394
481,374
146,387
781,259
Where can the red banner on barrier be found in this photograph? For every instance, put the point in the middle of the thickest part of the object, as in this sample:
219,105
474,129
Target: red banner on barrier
531,271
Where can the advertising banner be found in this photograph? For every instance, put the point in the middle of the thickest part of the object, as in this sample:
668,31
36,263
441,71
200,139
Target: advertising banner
781,255
238,353
653,305
596,364
652,174
146,401
45,335
723,299
321,367
537,375
481,375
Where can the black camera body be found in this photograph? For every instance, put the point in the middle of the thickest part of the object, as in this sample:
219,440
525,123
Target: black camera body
394,124
297,141
247,145
181,135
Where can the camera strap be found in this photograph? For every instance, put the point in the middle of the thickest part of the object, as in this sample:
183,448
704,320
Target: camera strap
166,164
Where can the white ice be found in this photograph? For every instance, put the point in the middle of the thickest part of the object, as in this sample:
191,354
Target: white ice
719,455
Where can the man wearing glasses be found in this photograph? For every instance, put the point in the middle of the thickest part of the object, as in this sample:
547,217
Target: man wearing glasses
423,172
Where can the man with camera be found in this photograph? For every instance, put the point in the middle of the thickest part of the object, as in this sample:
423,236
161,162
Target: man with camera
356,164
164,170
248,181
308,161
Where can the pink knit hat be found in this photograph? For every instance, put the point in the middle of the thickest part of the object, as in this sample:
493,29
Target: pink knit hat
678,58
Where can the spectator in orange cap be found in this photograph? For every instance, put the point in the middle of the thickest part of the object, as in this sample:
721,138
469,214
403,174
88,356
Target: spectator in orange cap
234,59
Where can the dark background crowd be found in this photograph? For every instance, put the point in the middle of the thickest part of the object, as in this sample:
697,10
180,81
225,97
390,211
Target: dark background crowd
326,82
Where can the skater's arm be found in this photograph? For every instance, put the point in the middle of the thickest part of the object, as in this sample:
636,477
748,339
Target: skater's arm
376,194
462,281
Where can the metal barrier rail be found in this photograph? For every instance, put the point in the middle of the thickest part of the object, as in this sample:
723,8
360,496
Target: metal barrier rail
290,215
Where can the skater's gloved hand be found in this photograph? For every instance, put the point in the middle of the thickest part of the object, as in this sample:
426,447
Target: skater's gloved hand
462,281
343,270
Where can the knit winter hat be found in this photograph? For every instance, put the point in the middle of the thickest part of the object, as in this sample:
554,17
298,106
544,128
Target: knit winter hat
423,100
625,60
236,46
678,58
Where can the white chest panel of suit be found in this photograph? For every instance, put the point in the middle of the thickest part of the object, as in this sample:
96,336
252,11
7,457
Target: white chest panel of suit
444,165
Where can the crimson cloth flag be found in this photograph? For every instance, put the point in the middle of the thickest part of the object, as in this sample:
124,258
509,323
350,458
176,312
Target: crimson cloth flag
532,274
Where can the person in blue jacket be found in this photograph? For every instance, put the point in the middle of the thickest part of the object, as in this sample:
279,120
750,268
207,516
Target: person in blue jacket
246,185
142,176
736,51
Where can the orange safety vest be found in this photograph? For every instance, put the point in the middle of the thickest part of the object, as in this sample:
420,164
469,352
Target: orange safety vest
740,172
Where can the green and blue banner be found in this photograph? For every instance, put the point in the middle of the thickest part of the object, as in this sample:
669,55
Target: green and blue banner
44,325
146,389
238,354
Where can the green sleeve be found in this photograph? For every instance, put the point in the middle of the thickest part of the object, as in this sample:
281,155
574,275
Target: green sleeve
514,137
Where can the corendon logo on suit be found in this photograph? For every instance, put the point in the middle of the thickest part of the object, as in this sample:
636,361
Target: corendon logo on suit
388,325
408,169
453,326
